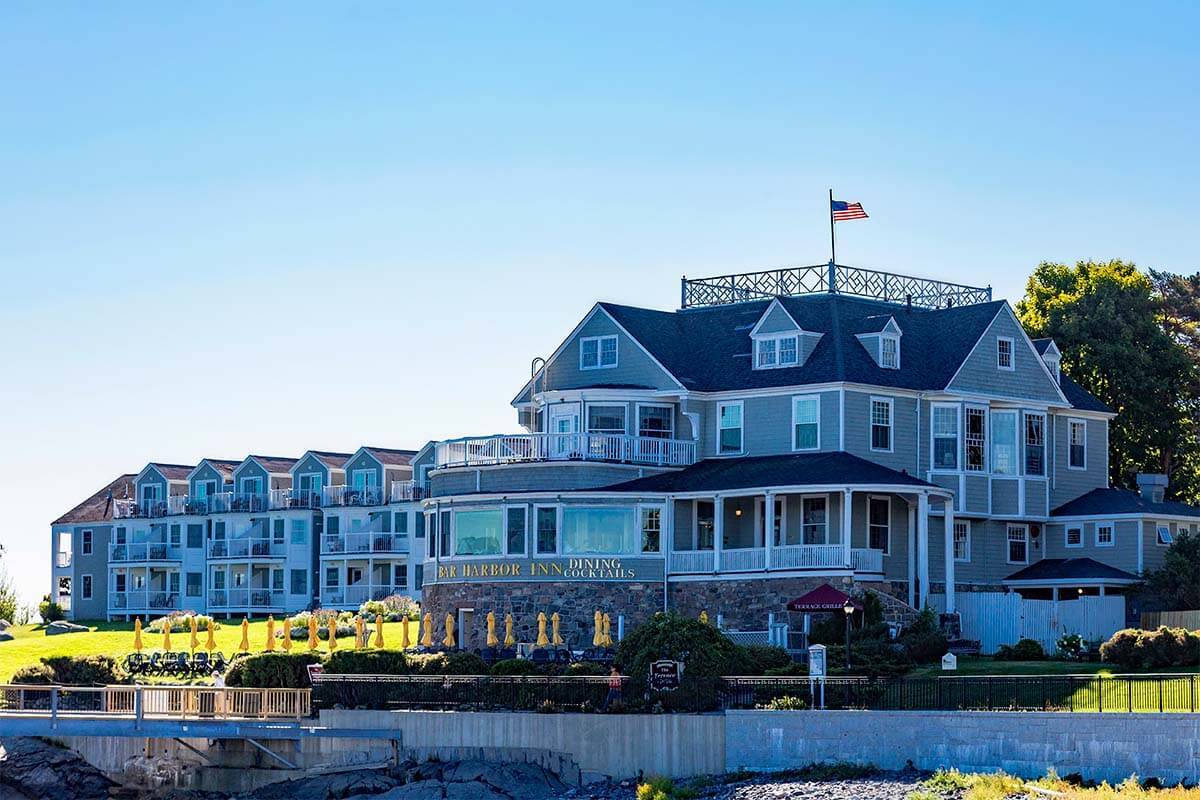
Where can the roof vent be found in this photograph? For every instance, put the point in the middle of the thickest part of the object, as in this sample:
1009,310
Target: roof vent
1152,486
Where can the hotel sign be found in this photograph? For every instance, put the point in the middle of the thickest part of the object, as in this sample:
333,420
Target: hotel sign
580,568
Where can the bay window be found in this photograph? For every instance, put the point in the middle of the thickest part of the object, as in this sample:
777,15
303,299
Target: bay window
599,530
478,533
1004,442
945,437
976,439
546,519
806,422
1035,444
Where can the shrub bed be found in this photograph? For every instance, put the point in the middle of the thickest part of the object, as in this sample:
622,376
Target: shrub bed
1166,647
392,608
72,671
271,670
181,621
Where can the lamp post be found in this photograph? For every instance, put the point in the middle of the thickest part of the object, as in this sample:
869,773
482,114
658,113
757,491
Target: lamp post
849,609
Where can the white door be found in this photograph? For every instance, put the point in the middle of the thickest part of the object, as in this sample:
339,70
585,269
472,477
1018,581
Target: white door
564,430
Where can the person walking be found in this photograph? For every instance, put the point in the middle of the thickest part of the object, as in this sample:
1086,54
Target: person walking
614,688
218,682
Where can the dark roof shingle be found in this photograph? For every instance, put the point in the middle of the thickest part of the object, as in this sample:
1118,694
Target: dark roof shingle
391,457
1102,501
1070,569
97,508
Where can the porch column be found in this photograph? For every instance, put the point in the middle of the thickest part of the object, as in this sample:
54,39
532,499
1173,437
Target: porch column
912,554
923,547
847,516
949,518
718,530
667,534
768,527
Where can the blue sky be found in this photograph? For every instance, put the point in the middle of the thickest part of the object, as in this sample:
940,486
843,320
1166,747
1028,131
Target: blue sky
228,228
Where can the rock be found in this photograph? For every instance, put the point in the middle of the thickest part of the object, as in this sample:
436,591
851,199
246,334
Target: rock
475,790
5,636
5,624
56,628
335,786
421,790
527,781
44,771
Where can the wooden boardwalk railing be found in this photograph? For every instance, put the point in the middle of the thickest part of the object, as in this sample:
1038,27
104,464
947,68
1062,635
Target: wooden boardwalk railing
156,701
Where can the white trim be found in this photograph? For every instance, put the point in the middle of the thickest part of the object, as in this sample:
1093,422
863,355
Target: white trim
887,549
749,491
966,559
891,403
600,340
742,428
1070,422
1024,434
1012,354
87,544
1017,450
637,417
1067,536
1112,526
889,337
828,515
587,406
777,340
770,307
760,512
959,450
557,530
1008,528
1158,538
87,586
817,398
987,456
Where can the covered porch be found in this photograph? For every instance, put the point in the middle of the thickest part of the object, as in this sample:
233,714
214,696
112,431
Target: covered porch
348,583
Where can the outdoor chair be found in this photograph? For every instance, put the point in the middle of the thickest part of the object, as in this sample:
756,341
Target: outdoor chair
200,663
154,665
218,661
136,663
179,664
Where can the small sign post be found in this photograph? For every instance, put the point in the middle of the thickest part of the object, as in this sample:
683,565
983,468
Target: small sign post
665,674
314,670
817,670
949,662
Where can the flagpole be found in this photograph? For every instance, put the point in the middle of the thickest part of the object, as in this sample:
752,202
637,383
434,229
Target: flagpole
832,239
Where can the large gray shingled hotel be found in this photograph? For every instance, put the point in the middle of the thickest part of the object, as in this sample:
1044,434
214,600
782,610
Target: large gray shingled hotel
781,430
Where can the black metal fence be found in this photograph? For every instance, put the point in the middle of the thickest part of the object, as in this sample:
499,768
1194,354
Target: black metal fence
1123,693
461,692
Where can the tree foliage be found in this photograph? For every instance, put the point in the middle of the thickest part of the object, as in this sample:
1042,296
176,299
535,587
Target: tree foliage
1177,581
1130,339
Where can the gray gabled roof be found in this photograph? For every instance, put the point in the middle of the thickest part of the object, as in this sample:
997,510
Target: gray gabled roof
1099,502
1084,570
98,507
391,457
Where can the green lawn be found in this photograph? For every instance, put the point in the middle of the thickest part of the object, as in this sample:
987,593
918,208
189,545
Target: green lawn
986,666
116,639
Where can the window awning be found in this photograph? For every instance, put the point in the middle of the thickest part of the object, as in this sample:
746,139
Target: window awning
823,598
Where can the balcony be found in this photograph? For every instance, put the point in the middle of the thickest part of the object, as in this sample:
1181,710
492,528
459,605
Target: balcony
406,491
522,447
232,502
784,557
143,600
246,598
62,560
364,542
143,551
358,593
352,496
174,505
247,547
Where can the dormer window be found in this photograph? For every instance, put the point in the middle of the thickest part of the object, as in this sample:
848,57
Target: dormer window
1004,353
772,352
598,352
889,352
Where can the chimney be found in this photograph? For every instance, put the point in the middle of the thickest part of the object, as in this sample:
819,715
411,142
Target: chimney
1152,486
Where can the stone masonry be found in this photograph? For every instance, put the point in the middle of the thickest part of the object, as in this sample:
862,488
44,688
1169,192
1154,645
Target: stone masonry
744,605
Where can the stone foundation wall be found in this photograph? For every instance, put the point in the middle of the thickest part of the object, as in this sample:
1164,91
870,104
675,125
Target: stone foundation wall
576,602
746,604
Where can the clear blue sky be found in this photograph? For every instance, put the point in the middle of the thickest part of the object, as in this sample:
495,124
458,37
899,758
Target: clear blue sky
228,228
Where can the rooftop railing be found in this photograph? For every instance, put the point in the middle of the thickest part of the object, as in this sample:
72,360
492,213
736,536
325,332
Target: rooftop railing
833,279
519,447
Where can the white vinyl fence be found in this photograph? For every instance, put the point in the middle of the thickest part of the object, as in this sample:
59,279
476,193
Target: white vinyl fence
996,618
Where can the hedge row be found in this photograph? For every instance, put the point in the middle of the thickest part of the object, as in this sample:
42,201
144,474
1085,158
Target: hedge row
1132,648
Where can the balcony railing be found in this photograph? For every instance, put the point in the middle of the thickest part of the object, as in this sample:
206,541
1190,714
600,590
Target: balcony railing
358,593
62,560
364,542
244,597
352,496
143,551
246,547
405,491
515,448
783,557
143,600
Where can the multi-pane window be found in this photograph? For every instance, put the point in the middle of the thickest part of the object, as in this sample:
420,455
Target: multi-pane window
400,577
729,428
1074,536
85,544
606,419
173,582
705,524
945,437
806,422
1077,444
1105,535
766,353
1035,444
976,439
1004,353
889,352
787,351
1164,535
651,530
547,530
278,532
656,422
962,540
1004,442
444,533
597,352
879,511
515,531
332,577
1018,544
299,581
86,586
776,351
881,423
299,531
195,584
175,532
814,520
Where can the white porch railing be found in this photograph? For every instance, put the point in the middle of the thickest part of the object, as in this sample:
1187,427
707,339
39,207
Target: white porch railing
692,561
866,560
62,559
352,496
124,509
246,547
404,491
143,600
364,542
784,557
512,448
358,593
807,556
143,551
245,598
743,559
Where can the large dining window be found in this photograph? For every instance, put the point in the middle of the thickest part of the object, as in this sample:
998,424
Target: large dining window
479,533
546,519
1004,442
606,419
597,530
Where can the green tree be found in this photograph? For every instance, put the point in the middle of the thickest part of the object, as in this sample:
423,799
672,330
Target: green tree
1177,581
1111,324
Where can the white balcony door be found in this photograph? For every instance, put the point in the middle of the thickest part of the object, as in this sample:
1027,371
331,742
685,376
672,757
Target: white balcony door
564,427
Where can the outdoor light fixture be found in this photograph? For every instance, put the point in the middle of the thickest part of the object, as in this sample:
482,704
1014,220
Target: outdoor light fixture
737,512
849,609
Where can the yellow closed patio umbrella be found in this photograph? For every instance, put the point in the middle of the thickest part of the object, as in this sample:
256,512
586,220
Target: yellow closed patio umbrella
555,638
542,640
427,636
449,640
509,639
332,633
270,633
245,644
704,617
405,642
598,635
137,634
358,632
210,643
379,632
607,631
194,642
313,639
492,641
287,635
166,634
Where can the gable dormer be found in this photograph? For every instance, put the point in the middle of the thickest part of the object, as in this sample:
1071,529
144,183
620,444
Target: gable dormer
882,341
779,341
1051,357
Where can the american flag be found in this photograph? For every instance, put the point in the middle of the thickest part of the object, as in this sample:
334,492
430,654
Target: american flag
843,211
